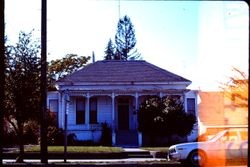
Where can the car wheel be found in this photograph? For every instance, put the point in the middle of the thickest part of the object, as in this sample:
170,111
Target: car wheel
197,158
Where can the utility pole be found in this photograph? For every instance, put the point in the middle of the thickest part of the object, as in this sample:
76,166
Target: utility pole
66,110
43,87
2,77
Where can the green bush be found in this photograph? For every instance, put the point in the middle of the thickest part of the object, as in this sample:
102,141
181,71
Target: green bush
164,117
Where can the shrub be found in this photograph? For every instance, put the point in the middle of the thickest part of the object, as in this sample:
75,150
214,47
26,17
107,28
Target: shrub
71,139
31,132
55,136
106,137
164,117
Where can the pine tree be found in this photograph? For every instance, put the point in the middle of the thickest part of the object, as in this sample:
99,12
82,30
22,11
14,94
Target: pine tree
125,40
110,51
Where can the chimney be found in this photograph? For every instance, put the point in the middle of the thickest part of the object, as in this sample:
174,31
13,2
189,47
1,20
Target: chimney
93,57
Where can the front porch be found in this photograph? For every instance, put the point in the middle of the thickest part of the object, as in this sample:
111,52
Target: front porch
118,110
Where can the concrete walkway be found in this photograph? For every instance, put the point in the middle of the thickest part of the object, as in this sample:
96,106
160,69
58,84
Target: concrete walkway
134,150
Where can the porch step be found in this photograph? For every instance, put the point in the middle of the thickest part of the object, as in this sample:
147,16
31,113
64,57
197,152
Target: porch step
137,153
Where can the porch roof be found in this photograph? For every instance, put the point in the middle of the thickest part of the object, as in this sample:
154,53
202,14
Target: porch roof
122,71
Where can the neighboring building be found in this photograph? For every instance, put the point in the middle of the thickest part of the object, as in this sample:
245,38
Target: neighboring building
111,92
216,112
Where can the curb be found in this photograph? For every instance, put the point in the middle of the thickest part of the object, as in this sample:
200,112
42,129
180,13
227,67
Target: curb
120,155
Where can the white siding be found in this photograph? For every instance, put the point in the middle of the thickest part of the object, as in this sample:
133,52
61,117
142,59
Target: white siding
72,112
53,101
87,135
104,109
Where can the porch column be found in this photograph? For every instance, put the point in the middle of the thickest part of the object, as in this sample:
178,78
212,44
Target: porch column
184,102
113,120
136,109
136,101
60,111
161,94
87,110
63,109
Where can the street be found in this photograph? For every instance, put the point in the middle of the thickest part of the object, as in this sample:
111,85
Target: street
127,162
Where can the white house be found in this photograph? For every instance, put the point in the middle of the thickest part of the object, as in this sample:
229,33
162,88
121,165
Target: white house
111,92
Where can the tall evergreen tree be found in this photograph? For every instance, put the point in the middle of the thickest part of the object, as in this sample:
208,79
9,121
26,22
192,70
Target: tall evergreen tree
110,51
125,40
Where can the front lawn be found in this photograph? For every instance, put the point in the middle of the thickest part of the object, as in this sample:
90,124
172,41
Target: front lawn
77,149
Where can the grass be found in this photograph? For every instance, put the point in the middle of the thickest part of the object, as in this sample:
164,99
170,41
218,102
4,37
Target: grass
77,149
88,149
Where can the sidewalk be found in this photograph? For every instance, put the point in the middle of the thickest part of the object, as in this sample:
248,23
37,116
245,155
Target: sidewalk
129,158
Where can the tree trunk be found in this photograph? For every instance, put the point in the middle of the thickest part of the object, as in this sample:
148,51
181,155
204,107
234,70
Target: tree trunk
21,143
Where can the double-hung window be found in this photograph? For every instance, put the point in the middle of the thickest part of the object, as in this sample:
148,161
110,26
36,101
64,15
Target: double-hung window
80,111
191,105
53,107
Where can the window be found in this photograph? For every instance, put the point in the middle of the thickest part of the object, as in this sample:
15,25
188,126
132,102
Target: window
80,111
191,105
93,111
53,105
53,108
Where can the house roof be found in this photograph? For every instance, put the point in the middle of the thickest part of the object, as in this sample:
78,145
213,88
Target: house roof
122,71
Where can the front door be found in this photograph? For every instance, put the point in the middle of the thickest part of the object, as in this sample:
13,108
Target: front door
123,116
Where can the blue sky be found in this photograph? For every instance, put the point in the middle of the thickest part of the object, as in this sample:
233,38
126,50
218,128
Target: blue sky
199,40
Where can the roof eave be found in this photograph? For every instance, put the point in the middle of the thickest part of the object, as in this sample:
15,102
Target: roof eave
68,83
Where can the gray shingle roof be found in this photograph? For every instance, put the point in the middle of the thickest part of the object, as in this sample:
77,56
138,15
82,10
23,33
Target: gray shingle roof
122,71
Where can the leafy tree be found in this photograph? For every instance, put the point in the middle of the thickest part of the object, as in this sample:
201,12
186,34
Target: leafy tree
236,89
110,51
61,67
22,84
125,40
164,117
